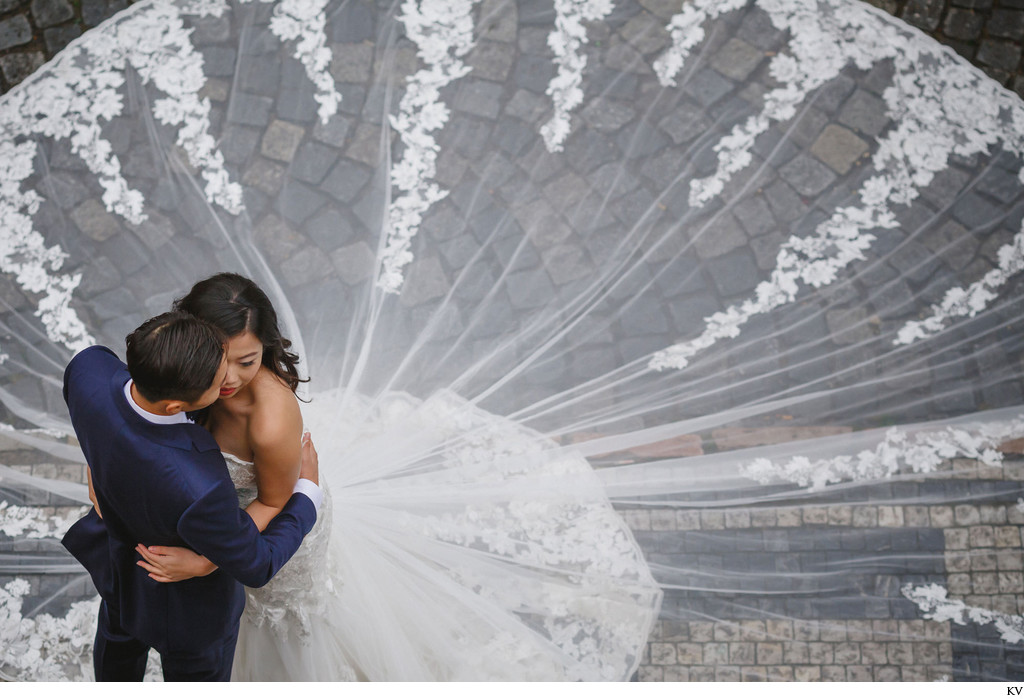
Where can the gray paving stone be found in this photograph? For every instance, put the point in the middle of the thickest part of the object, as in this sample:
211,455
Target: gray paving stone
566,190
831,95
296,202
946,186
18,66
8,5
312,162
528,106
365,145
57,38
355,262
611,83
737,59
951,242
645,33
250,110
864,112
975,212
755,216
238,143
924,14
353,22
330,229
641,139
567,263
590,150
218,61
1003,55
688,313
424,280
757,29
684,123
127,253
533,73
734,274
296,103
621,56
92,219
491,60
963,24
458,251
49,13
210,30
95,11
281,140
529,288
62,189
265,175
155,231
479,97
613,181
15,31
707,87
334,132
346,180
306,266
608,115
839,148
277,239
1006,24
352,63
784,202
807,175
542,224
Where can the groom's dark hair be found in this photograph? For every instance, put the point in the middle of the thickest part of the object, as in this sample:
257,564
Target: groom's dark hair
174,356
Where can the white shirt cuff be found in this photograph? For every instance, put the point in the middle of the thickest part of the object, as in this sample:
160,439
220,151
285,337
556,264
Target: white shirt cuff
311,491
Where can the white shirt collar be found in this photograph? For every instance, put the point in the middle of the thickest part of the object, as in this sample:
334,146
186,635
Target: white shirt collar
153,417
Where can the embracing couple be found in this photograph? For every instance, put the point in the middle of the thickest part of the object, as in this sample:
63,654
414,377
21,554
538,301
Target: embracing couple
167,543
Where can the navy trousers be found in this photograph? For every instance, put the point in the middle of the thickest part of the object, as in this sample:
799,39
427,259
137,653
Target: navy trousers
117,656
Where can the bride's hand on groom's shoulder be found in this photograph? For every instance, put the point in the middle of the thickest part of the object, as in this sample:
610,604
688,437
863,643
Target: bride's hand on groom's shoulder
310,468
173,564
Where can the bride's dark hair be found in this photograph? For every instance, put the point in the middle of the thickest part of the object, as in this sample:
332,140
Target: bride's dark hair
235,304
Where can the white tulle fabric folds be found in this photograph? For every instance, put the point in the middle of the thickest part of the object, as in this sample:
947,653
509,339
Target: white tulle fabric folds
574,283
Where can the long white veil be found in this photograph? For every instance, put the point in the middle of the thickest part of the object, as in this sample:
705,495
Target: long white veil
747,271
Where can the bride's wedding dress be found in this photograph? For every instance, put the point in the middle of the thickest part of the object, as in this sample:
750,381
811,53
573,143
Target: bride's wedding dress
291,628
537,576
625,320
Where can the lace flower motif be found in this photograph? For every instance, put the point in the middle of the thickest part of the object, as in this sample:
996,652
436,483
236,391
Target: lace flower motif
443,33
931,100
933,601
898,452
568,36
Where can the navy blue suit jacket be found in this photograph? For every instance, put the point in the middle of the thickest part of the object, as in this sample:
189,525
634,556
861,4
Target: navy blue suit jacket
166,485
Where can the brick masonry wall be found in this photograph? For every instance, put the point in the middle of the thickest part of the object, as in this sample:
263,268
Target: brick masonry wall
973,548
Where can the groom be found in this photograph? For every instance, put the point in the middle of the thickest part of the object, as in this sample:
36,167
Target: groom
159,478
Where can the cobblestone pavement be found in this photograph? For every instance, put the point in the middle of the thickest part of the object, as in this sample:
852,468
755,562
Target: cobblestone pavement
860,628
989,33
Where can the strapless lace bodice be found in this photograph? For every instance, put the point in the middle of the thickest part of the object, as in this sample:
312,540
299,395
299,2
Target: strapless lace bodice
300,589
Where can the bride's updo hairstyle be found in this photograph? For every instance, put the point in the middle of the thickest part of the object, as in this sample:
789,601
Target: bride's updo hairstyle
234,304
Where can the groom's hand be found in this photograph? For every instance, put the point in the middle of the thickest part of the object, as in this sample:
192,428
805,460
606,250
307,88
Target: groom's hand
310,468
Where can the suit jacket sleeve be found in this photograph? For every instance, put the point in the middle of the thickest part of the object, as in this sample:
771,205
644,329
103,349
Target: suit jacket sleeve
218,529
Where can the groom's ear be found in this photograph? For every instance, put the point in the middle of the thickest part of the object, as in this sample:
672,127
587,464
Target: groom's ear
173,406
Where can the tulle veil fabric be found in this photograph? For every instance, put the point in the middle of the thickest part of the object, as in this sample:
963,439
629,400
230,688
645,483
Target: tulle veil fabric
548,264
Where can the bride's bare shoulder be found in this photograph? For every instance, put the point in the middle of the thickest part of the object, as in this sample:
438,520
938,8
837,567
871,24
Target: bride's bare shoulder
275,412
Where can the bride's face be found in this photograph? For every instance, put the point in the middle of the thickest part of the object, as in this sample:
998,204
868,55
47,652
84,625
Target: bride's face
245,354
